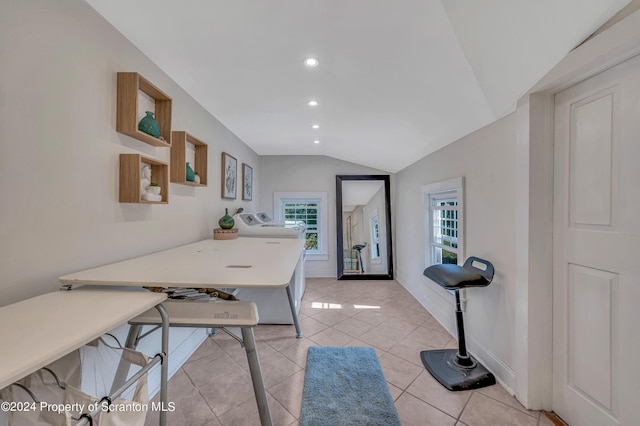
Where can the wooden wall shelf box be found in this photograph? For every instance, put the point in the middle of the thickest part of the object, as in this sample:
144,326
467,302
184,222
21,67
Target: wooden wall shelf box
130,165
179,141
129,83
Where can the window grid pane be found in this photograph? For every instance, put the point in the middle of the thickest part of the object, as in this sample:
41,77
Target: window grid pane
307,212
444,230
375,238
445,227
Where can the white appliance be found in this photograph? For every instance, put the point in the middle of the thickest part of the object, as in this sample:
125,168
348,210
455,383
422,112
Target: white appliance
267,220
273,305
249,225
263,217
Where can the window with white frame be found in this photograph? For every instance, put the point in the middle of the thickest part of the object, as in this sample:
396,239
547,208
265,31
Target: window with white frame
375,236
310,208
443,202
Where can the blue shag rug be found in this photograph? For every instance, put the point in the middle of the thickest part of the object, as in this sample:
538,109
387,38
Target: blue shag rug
345,386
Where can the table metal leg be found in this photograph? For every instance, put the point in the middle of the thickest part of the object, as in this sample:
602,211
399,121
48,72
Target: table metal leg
294,313
256,376
123,367
164,367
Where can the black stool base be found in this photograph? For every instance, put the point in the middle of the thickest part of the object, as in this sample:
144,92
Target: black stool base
442,366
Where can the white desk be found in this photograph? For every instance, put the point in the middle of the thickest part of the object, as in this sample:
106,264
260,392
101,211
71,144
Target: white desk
40,330
241,263
258,263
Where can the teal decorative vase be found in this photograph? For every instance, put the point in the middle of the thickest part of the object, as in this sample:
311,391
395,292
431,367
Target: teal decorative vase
190,175
226,222
149,125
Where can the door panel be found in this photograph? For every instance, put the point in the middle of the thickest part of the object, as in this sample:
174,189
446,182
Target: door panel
590,153
596,250
592,341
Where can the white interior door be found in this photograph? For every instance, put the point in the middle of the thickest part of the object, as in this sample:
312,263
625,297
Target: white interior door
596,297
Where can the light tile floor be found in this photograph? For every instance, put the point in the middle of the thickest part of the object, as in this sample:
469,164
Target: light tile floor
214,387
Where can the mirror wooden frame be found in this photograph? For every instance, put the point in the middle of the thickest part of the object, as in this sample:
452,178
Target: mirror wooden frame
339,229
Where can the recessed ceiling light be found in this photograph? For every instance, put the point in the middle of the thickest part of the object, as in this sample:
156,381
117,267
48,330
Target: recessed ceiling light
316,141
311,62
312,103
315,126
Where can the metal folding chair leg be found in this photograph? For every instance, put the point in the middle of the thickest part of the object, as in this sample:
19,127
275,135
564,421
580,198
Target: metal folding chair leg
256,376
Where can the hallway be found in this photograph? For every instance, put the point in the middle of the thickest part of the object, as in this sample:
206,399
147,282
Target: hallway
214,386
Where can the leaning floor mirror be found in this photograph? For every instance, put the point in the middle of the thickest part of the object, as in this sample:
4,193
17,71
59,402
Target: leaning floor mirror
363,220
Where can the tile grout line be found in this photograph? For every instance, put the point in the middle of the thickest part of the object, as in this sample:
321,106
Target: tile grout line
465,406
282,405
202,396
527,413
430,404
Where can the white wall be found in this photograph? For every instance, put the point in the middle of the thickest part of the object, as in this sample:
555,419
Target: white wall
486,158
59,209
292,173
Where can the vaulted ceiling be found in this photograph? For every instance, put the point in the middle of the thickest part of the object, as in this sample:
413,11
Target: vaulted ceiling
396,80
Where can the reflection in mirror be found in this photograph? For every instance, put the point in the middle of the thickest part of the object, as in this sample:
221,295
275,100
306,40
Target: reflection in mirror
364,233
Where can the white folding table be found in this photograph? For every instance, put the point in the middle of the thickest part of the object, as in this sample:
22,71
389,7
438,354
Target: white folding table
258,263
40,330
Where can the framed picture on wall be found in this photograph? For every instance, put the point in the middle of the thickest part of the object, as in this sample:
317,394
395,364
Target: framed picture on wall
229,173
247,182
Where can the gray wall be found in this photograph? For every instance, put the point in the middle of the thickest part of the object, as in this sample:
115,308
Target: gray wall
59,154
486,159
292,173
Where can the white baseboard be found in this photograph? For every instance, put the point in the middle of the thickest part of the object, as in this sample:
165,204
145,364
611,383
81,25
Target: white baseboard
319,273
504,374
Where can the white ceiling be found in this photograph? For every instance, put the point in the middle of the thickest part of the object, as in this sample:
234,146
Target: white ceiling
397,80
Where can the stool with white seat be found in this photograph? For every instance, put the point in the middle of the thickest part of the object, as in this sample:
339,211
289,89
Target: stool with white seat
216,314
455,369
